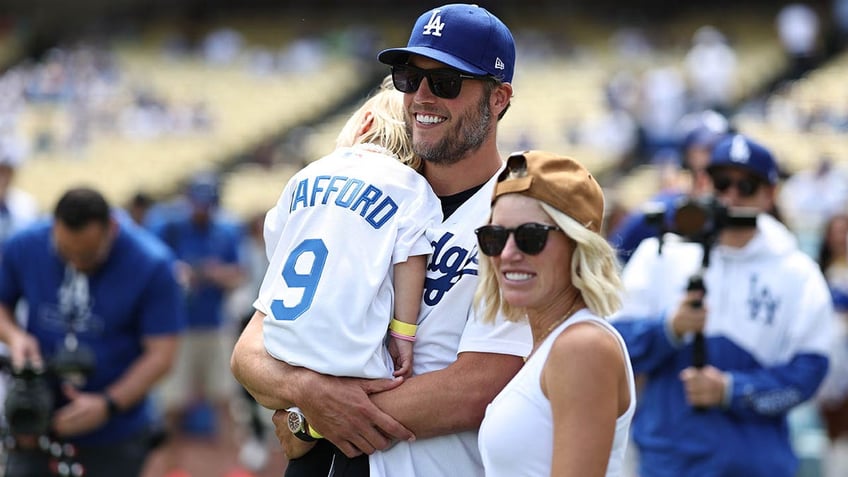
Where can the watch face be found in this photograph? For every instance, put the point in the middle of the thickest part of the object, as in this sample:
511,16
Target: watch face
295,422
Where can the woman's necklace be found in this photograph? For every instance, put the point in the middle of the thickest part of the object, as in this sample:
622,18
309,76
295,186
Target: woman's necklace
576,304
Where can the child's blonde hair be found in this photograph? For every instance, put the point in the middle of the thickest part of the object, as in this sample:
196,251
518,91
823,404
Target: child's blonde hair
388,127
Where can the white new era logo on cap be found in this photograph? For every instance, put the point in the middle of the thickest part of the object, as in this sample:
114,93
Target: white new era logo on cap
499,65
739,151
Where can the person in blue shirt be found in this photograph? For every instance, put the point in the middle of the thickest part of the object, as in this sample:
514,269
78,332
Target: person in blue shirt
93,282
196,396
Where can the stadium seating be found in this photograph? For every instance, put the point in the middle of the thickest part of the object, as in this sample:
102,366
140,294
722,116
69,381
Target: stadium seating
559,89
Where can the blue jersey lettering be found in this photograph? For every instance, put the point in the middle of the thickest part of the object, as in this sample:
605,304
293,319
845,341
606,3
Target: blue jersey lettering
349,195
451,263
317,188
367,198
386,210
300,195
349,192
332,188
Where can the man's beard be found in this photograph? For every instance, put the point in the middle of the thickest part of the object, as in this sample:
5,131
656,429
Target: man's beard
470,133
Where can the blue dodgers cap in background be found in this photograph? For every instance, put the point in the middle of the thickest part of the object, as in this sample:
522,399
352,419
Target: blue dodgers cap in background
462,36
203,189
740,151
703,129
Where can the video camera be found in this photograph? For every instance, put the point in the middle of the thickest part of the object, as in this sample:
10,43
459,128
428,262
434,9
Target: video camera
699,219
30,398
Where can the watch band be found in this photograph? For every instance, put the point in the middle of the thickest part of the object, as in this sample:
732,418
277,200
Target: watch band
312,432
298,426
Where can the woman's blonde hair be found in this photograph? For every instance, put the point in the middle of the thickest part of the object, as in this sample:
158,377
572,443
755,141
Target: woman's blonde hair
594,271
388,127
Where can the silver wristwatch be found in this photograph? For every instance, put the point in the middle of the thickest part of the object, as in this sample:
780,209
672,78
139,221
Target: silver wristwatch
298,426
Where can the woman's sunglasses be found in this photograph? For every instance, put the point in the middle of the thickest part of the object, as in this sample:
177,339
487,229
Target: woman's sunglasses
530,238
746,187
444,82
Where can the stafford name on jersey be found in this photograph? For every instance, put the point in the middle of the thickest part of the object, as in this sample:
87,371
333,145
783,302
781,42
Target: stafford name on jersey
346,192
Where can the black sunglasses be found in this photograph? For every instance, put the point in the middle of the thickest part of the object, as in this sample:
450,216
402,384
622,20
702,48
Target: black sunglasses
530,238
444,82
746,187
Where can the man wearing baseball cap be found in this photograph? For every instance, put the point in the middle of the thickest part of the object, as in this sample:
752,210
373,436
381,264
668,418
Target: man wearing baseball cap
765,317
465,37
455,73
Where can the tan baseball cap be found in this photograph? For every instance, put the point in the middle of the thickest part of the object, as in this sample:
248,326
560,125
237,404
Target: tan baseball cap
556,180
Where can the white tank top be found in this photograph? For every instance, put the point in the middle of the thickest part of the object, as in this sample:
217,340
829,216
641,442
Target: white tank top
519,420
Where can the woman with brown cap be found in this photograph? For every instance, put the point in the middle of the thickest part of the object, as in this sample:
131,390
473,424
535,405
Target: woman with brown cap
546,262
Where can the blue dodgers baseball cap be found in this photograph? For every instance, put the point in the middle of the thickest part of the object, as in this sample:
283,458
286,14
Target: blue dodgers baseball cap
462,36
203,189
704,129
740,151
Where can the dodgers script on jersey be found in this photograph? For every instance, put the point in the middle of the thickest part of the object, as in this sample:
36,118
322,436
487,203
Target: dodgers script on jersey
339,226
447,327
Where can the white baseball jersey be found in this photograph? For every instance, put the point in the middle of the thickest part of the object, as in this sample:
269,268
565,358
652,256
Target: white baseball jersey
522,414
446,327
339,226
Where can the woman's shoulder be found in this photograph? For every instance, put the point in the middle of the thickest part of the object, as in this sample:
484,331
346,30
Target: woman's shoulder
587,340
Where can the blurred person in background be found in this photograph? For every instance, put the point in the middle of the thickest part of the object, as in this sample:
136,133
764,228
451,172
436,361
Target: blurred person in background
810,197
727,346
196,396
711,70
254,420
699,133
800,34
833,259
839,25
662,103
102,295
833,397
139,207
17,207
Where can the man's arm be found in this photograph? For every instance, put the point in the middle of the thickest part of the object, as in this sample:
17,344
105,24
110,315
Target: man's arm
338,408
272,383
159,353
23,347
227,276
452,399
88,410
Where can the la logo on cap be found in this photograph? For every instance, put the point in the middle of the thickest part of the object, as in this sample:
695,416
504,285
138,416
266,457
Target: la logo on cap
739,151
435,25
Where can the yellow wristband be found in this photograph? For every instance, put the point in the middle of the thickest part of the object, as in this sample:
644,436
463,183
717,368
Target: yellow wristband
402,328
312,432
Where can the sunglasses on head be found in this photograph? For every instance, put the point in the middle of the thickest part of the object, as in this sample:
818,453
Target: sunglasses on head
746,187
530,238
444,82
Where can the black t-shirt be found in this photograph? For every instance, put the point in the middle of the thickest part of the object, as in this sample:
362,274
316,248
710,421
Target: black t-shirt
452,202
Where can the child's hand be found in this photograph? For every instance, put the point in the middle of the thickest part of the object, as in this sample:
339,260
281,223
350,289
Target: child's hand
401,353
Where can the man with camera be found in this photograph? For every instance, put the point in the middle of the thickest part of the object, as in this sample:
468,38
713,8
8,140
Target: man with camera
104,313
728,326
